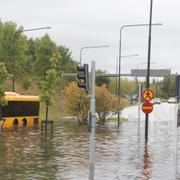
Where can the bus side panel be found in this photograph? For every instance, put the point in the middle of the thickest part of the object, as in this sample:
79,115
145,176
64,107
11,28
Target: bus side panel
28,121
20,114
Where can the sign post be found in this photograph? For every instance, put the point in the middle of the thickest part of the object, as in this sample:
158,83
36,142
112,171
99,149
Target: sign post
92,123
147,108
148,68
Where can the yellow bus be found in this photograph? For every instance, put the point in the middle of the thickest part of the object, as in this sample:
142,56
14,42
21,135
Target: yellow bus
20,111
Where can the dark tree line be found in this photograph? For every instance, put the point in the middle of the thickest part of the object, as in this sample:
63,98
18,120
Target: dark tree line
28,58
165,88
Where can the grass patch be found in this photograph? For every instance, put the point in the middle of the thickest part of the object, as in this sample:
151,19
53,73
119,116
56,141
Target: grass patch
54,112
115,119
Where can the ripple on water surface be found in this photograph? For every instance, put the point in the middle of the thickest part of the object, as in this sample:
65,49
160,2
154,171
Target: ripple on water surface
120,155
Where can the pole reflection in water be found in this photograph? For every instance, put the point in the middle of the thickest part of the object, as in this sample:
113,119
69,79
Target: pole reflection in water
28,154
147,164
91,171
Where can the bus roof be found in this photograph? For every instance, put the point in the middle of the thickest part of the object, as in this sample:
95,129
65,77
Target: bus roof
12,96
7,93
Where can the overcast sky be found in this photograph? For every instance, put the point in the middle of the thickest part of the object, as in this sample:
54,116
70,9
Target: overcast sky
79,23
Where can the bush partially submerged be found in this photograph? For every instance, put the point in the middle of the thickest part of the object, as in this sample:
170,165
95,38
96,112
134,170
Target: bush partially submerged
76,104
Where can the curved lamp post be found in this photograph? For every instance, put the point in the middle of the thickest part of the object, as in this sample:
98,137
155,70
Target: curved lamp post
89,47
120,43
35,29
126,56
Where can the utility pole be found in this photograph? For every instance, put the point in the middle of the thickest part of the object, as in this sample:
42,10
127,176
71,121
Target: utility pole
148,68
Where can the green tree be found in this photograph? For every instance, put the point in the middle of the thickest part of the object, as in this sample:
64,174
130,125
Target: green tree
105,102
44,50
127,87
168,87
100,80
29,63
28,59
75,102
3,77
13,46
67,64
49,83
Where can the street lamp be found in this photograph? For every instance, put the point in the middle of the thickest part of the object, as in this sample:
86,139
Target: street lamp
26,30
89,47
126,56
35,29
121,28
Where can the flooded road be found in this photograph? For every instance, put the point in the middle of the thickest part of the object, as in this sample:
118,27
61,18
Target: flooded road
120,154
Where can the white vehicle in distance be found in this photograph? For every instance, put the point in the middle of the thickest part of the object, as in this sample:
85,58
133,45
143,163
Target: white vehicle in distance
156,101
171,100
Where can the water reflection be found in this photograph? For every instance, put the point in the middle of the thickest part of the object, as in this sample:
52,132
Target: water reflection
28,154
91,171
147,164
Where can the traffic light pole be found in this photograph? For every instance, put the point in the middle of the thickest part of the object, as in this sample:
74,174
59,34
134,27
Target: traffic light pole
92,125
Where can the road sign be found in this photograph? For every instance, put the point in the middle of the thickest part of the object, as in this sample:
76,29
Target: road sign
147,107
153,72
147,94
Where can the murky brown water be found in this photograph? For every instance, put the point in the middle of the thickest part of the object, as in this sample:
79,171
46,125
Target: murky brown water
27,154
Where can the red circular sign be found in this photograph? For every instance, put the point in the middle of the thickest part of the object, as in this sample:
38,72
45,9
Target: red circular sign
147,107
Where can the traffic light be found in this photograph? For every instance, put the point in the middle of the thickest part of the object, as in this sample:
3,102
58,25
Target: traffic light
83,77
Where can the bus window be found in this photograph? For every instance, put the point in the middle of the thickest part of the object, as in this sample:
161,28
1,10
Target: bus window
15,122
24,122
21,108
36,121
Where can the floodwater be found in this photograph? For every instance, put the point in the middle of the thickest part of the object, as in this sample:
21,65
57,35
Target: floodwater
27,154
